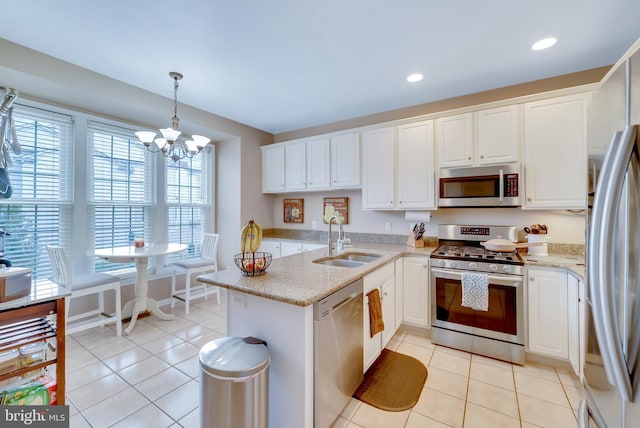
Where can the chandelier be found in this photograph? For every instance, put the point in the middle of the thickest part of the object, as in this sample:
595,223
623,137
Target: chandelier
170,144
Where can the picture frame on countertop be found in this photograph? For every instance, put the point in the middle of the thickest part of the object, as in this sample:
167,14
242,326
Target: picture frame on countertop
293,210
338,206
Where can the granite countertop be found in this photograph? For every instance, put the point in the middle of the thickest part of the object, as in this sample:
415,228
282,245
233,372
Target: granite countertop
297,280
43,291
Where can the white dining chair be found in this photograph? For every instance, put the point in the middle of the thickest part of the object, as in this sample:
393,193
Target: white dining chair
84,285
207,262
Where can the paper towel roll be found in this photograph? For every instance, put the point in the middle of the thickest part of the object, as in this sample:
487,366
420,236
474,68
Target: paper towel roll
417,216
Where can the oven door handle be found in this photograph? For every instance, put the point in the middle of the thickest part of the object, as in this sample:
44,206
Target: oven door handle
517,279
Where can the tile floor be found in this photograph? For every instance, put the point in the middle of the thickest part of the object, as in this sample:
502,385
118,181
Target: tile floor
150,379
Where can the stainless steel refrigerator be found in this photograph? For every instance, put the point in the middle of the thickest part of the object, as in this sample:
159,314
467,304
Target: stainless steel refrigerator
612,360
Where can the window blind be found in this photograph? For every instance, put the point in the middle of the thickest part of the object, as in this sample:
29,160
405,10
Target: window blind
120,187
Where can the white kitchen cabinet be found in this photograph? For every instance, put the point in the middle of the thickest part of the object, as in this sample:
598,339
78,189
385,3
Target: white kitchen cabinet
318,166
378,172
295,161
415,167
273,170
398,167
288,248
455,140
415,291
382,279
499,135
270,246
345,161
399,290
548,331
555,153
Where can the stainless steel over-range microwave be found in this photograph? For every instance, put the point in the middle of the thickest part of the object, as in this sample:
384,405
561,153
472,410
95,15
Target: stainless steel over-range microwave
483,186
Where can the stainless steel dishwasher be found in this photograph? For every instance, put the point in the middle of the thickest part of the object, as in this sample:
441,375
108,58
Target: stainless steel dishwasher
338,345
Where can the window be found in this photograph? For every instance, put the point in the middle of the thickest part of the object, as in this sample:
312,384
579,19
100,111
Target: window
120,188
38,212
188,201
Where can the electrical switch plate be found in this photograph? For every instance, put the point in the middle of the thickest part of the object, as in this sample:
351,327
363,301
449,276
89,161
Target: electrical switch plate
387,226
314,224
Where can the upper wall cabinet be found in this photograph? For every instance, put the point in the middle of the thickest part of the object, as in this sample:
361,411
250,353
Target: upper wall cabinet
485,137
555,153
398,167
345,161
273,173
320,163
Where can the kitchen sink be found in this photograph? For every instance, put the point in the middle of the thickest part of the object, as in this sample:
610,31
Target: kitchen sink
348,259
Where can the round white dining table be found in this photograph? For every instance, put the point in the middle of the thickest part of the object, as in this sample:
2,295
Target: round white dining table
141,302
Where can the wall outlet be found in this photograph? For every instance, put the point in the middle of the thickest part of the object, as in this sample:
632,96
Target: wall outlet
387,226
314,224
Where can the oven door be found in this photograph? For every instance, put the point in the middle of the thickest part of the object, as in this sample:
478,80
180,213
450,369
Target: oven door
504,320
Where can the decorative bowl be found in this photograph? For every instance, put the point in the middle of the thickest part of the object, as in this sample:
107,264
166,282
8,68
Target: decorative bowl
253,264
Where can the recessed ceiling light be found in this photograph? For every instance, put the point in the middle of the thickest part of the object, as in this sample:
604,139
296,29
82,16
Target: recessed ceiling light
544,43
415,77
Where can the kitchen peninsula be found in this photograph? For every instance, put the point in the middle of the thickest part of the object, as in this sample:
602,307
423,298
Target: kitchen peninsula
278,307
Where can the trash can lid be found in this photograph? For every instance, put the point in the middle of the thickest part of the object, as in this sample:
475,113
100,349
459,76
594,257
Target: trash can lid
234,356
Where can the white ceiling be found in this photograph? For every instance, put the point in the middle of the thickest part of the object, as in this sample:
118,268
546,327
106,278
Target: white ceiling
281,65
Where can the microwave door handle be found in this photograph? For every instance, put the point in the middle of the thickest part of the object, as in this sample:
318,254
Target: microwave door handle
601,274
501,185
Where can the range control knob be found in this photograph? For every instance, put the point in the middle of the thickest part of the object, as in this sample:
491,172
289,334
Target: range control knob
473,265
454,264
441,263
507,268
493,267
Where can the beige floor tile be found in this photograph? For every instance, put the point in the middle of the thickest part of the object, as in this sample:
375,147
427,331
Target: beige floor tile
340,423
181,401
529,425
418,352
79,360
178,353
142,370
447,382
416,420
171,325
148,417
97,391
540,388
211,335
481,417
575,395
353,425
162,383
103,414
190,366
351,408
191,420
163,343
493,397
451,351
215,322
86,375
537,370
192,332
450,362
370,417
494,374
417,339
110,349
145,332
96,337
491,362
393,344
127,358
78,421
569,378
442,407
544,413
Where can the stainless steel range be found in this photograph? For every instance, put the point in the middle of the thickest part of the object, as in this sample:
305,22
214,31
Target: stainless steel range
496,332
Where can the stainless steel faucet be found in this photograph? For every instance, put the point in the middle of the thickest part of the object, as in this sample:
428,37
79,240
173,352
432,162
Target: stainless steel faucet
340,233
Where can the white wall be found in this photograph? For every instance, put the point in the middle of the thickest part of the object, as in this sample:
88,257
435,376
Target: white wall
564,226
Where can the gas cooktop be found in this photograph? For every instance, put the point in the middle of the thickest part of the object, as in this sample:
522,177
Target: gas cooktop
474,253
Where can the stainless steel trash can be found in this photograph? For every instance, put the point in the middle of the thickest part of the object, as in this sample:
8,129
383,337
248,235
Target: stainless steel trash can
234,383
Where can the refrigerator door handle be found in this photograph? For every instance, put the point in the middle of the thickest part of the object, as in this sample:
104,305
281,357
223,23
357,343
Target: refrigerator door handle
601,259
583,414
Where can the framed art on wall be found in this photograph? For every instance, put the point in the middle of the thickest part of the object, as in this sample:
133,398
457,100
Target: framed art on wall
338,206
293,210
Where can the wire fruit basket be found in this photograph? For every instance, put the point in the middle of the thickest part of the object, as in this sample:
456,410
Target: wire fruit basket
253,264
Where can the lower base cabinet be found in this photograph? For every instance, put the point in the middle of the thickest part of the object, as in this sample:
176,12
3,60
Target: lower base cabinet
384,280
415,292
